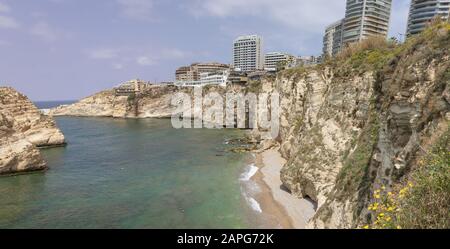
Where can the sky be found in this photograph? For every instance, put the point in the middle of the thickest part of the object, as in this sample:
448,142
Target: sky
69,49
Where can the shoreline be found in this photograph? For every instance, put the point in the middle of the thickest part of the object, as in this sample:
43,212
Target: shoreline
279,209
279,205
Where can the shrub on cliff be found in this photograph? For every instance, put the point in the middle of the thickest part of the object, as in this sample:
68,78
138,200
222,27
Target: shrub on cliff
368,55
422,203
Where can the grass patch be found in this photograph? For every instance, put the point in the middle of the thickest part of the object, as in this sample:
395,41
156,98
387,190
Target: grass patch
254,86
353,175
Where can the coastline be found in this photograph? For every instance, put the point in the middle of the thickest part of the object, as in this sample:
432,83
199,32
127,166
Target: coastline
279,205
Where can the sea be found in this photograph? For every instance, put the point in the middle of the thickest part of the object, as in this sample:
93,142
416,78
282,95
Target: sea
134,173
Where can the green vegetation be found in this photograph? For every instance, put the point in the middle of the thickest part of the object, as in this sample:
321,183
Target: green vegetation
353,176
131,98
298,72
369,55
253,86
423,202
376,53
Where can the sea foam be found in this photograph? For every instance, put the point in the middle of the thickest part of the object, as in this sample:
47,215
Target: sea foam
254,204
249,172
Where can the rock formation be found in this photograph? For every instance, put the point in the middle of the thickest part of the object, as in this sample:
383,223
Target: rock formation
358,123
348,126
22,129
154,102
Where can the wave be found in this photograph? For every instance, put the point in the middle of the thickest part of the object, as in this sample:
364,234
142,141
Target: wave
249,172
254,204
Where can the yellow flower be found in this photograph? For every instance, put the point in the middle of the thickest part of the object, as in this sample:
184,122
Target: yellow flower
388,218
366,227
381,214
399,227
377,196
373,206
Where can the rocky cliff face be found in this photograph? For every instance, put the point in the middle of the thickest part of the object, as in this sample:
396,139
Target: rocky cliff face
348,126
22,129
347,131
154,102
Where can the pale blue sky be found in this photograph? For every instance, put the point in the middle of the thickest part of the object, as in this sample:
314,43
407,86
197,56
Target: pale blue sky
68,49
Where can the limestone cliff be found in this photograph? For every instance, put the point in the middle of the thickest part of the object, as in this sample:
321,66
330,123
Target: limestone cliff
153,102
348,126
22,129
360,122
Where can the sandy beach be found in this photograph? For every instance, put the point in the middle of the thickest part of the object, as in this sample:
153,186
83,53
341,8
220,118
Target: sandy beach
288,210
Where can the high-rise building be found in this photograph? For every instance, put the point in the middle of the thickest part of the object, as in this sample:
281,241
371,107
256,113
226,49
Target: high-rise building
273,60
423,11
248,53
365,18
332,40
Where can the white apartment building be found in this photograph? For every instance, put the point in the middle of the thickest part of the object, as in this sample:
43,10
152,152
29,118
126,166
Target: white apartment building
332,41
304,61
365,18
423,11
217,78
248,53
273,59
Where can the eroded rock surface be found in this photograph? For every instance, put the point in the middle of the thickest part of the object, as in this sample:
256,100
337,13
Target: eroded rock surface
23,128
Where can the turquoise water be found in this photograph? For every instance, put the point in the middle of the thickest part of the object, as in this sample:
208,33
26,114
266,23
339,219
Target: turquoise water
118,173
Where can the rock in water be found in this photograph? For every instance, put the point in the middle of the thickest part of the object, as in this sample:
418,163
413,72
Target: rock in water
22,129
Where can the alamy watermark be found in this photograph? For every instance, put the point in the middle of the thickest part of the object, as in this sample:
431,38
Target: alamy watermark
231,110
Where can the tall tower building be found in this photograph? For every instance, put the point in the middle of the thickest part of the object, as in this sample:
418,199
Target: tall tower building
332,40
423,11
248,53
365,18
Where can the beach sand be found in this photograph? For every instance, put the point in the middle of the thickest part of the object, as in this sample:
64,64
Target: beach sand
288,210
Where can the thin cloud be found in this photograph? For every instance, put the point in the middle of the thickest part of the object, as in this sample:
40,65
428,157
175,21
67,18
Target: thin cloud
306,15
118,66
145,61
44,31
4,43
103,53
136,9
7,22
4,8
174,53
